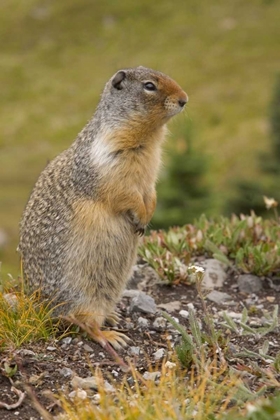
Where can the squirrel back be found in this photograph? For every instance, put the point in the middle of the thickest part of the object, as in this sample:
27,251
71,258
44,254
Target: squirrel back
79,230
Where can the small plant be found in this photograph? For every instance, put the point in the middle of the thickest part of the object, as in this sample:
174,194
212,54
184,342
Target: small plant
171,396
197,346
264,409
187,349
10,369
23,319
242,328
248,244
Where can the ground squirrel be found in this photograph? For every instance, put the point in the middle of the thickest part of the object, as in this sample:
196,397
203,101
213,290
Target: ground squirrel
80,229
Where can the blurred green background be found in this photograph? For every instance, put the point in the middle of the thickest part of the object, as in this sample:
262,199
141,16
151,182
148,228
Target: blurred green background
56,56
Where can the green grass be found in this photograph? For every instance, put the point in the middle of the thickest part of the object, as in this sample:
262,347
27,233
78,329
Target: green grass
23,319
56,57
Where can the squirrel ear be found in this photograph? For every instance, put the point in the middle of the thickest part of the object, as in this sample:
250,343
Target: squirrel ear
118,79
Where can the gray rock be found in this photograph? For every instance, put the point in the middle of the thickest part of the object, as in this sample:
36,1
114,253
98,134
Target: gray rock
66,372
134,351
66,340
130,293
151,376
51,348
79,393
129,325
231,314
160,323
184,314
214,274
26,352
171,306
248,283
191,307
88,348
90,383
159,354
143,275
143,322
143,303
218,297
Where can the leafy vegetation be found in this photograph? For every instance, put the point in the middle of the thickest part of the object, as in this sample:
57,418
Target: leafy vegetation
251,243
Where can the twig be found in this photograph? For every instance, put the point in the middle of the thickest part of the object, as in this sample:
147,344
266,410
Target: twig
21,396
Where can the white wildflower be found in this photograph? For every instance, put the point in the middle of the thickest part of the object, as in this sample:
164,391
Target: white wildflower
196,268
270,202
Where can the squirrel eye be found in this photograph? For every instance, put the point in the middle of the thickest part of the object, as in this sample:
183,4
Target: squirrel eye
150,86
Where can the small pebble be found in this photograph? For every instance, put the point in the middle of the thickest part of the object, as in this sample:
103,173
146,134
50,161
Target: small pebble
159,354
79,393
66,372
142,322
66,340
51,348
171,306
151,376
248,283
129,325
134,351
184,314
143,303
115,373
170,365
84,383
231,314
218,297
26,352
96,398
88,348
160,323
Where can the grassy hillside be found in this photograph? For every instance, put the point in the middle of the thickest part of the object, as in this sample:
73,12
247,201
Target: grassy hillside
57,55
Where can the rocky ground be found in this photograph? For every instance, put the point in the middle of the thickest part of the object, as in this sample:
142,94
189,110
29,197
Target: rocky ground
62,365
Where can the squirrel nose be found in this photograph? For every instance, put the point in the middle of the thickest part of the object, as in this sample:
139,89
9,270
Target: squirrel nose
182,102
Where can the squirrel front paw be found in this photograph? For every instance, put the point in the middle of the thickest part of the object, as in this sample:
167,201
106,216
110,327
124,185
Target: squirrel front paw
136,223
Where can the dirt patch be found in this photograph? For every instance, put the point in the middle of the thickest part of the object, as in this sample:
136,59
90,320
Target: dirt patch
50,366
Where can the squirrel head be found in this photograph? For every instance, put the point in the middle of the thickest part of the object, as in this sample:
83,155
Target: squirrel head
141,95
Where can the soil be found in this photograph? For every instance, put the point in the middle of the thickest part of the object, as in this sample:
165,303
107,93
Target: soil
45,365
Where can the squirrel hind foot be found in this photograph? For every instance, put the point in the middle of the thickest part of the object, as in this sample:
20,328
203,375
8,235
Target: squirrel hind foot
116,338
106,338
113,319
